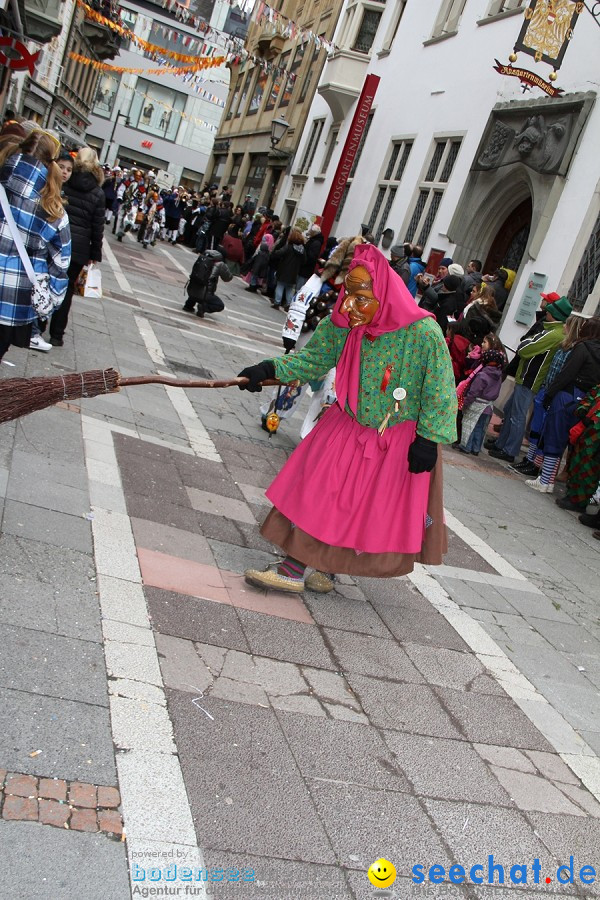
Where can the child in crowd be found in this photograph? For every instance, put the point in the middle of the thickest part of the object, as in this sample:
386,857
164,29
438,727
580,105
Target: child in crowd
477,392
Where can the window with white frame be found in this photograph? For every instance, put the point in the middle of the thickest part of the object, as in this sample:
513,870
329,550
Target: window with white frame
431,189
311,147
361,21
448,17
499,6
387,187
331,145
367,30
399,8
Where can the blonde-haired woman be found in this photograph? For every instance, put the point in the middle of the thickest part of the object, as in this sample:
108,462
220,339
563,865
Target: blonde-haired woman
33,184
86,205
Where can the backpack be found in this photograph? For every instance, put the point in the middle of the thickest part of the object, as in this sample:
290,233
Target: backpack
200,277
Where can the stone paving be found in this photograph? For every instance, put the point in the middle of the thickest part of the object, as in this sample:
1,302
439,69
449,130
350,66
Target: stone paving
431,720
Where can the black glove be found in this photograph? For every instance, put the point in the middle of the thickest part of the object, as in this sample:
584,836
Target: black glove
289,344
547,402
255,374
422,455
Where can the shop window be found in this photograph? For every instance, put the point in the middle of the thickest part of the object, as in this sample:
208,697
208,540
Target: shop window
156,109
106,93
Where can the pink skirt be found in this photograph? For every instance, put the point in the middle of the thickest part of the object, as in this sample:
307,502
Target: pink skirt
348,487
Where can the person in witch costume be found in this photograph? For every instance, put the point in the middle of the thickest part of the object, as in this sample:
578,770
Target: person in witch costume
362,493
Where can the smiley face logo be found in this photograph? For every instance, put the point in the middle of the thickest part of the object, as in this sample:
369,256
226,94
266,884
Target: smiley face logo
381,873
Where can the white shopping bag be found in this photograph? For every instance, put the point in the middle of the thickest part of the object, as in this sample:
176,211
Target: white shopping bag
297,313
93,282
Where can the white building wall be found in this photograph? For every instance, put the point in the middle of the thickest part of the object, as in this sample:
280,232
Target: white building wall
449,88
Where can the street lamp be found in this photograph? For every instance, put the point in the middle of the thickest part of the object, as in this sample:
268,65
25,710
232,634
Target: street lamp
120,115
279,128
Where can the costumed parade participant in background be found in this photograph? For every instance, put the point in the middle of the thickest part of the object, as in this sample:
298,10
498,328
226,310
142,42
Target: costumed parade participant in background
362,494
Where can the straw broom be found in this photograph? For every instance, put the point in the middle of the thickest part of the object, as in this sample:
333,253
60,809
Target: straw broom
21,396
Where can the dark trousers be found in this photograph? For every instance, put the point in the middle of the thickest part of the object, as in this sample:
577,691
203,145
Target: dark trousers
60,316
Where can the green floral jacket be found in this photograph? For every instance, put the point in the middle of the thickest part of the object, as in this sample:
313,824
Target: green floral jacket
421,365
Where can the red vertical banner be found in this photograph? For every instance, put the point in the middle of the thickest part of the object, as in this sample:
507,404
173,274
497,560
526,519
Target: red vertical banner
359,121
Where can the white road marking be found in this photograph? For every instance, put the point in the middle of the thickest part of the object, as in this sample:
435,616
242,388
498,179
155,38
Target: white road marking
185,271
485,551
115,266
158,823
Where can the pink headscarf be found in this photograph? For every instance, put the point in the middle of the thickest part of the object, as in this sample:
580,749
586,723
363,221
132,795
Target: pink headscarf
397,309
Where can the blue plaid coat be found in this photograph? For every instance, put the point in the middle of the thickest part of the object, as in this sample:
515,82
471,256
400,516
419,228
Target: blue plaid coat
48,244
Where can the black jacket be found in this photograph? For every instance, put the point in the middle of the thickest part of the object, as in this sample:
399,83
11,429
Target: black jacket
312,251
441,303
581,370
287,262
86,208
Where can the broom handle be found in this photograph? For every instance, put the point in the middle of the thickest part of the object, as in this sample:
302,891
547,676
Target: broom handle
174,382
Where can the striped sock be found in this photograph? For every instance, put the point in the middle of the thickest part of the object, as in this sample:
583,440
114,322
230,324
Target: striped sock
549,469
532,449
539,459
291,568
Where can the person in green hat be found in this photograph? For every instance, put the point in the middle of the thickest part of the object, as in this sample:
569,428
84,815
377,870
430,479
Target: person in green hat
535,355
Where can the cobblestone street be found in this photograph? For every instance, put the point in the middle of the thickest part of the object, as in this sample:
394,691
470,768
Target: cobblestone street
157,711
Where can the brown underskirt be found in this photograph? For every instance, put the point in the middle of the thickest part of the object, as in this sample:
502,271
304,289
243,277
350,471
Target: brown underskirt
278,529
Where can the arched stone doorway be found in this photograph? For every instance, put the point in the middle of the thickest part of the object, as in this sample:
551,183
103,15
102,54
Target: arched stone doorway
510,242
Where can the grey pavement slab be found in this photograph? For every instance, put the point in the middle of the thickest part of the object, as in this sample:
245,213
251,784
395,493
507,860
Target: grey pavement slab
238,559
412,708
421,626
56,864
450,770
52,665
496,720
280,639
174,541
337,611
342,751
69,608
473,833
75,738
371,656
452,668
47,526
390,825
42,494
243,783
195,619
36,467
